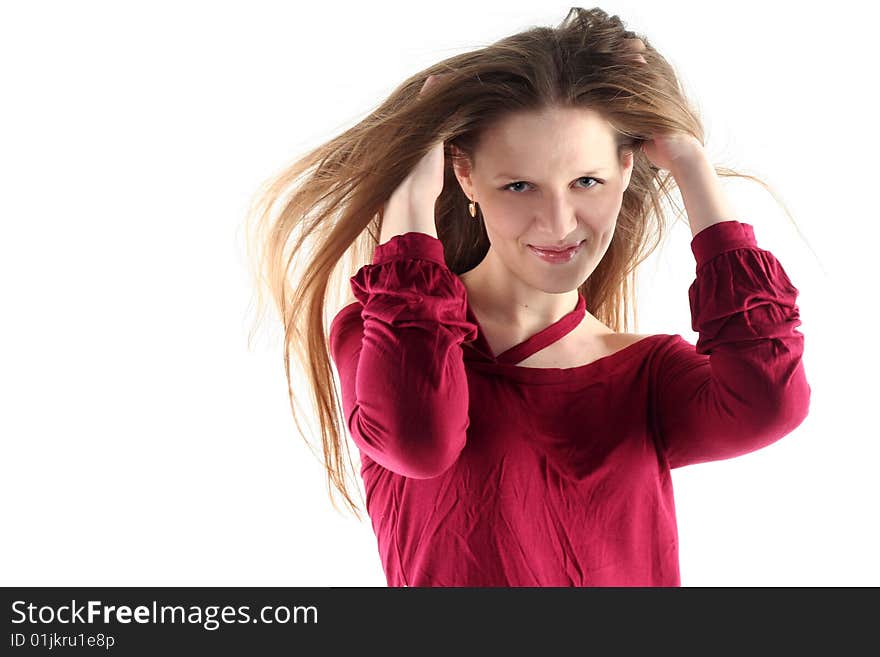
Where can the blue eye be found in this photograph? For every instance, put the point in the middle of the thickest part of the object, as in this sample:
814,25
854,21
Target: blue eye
520,182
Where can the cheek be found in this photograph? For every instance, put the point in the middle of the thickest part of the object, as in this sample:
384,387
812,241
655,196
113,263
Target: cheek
606,205
511,227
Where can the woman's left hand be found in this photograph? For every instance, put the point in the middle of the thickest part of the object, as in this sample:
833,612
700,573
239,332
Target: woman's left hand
669,150
672,150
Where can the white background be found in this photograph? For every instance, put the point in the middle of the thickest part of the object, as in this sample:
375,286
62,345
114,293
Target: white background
146,443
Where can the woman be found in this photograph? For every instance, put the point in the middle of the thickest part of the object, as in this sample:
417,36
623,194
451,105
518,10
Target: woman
510,433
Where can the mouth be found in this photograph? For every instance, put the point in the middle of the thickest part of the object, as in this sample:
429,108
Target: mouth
551,255
553,250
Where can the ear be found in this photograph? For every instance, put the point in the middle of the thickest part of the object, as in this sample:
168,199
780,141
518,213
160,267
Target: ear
461,166
628,164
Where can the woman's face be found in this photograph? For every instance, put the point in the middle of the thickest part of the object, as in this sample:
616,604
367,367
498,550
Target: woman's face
548,179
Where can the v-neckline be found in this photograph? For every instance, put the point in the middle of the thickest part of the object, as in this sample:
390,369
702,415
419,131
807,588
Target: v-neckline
535,343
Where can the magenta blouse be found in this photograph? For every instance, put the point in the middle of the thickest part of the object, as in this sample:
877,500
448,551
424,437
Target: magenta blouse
479,472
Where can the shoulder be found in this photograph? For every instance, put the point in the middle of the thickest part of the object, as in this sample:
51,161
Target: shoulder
615,342
596,329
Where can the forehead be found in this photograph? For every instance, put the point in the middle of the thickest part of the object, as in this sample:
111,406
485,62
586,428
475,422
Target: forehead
557,135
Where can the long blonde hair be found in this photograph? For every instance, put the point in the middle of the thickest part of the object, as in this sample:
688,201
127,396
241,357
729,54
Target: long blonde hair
314,224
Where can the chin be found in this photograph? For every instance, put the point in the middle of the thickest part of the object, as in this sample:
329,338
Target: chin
557,284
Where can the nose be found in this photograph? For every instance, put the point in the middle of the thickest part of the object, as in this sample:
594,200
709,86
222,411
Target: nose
556,222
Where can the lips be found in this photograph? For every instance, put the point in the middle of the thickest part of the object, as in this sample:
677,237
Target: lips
558,256
554,250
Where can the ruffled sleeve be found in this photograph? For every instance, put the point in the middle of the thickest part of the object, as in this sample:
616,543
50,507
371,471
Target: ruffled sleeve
743,385
399,357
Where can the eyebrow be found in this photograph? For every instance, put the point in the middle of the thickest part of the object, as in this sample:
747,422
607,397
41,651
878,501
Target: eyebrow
586,173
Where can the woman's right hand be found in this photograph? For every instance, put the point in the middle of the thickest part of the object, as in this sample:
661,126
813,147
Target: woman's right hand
411,205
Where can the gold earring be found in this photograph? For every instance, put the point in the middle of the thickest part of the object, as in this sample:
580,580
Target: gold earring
472,208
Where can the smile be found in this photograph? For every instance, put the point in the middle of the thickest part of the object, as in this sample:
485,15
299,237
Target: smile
557,256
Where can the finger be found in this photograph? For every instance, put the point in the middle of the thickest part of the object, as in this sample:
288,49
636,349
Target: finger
636,58
636,44
429,81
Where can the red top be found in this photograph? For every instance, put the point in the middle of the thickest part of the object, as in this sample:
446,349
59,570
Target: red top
478,472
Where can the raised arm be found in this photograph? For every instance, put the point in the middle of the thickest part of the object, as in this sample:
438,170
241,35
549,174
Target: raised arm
743,385
398,354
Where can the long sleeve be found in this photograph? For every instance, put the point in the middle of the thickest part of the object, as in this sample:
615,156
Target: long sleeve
743,385
404,387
